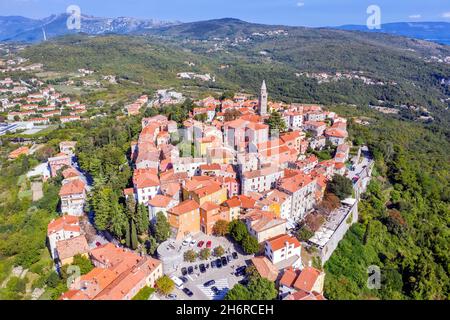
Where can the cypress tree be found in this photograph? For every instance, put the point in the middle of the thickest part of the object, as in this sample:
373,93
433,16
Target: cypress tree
134,238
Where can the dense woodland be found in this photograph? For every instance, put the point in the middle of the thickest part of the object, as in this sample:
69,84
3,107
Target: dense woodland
404,218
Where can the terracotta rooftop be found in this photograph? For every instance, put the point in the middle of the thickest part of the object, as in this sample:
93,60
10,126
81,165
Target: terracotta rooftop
160,201
184,207
72,187
279,242
303,295
68,223
209,206
71,247
265,268
307,279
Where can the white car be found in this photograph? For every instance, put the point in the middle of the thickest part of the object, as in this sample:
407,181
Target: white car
186,241
193,243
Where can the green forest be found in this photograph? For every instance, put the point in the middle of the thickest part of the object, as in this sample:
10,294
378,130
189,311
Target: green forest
404,218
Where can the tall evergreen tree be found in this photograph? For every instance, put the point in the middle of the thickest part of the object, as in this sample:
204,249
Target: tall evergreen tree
161,229
128,236
142,219
134,238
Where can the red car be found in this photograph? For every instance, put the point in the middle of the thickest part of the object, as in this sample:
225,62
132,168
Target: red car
200,244
208,244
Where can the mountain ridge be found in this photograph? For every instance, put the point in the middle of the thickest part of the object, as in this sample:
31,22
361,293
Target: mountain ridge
29,30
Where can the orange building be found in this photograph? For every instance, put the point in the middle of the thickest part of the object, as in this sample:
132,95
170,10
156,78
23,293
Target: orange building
210,213
18,152
205,189
185,218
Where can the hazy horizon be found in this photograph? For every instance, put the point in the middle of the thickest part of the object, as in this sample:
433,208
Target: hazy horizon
308,13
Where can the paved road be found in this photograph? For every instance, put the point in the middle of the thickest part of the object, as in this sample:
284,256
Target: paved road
361,169
224,277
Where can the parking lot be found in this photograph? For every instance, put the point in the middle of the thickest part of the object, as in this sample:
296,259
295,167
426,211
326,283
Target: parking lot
223,275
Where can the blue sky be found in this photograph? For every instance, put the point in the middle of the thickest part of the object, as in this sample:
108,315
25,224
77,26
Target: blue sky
289,12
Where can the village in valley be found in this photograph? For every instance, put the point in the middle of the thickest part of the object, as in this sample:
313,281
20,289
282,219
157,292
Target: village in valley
239,186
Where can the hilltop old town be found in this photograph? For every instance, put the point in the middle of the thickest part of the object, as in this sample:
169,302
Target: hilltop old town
236,192
227,165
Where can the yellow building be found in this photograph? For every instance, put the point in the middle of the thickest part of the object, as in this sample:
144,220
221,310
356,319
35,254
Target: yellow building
185,218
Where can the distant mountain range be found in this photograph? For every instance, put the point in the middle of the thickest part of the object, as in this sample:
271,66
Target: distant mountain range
21,29
432,31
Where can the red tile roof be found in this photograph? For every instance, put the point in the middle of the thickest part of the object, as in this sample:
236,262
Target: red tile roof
307,279
279,242
72,188
184,207
71,247
160,201
265,268
68,223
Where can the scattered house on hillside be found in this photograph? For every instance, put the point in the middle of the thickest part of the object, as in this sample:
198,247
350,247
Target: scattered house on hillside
73,197
67,147
58,162
18,152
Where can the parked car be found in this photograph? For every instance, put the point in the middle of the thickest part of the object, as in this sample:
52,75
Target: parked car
98,244
219,263
240,271
200,244
224,261
184,279
244,282
190,270
229,258
209,283
188,292
193,242
186,241
202,268
209,244
215,290
235,255
172,296
213,264
184,271
178,282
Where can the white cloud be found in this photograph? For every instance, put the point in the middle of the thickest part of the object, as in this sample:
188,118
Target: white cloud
446,15
415,16
300,4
